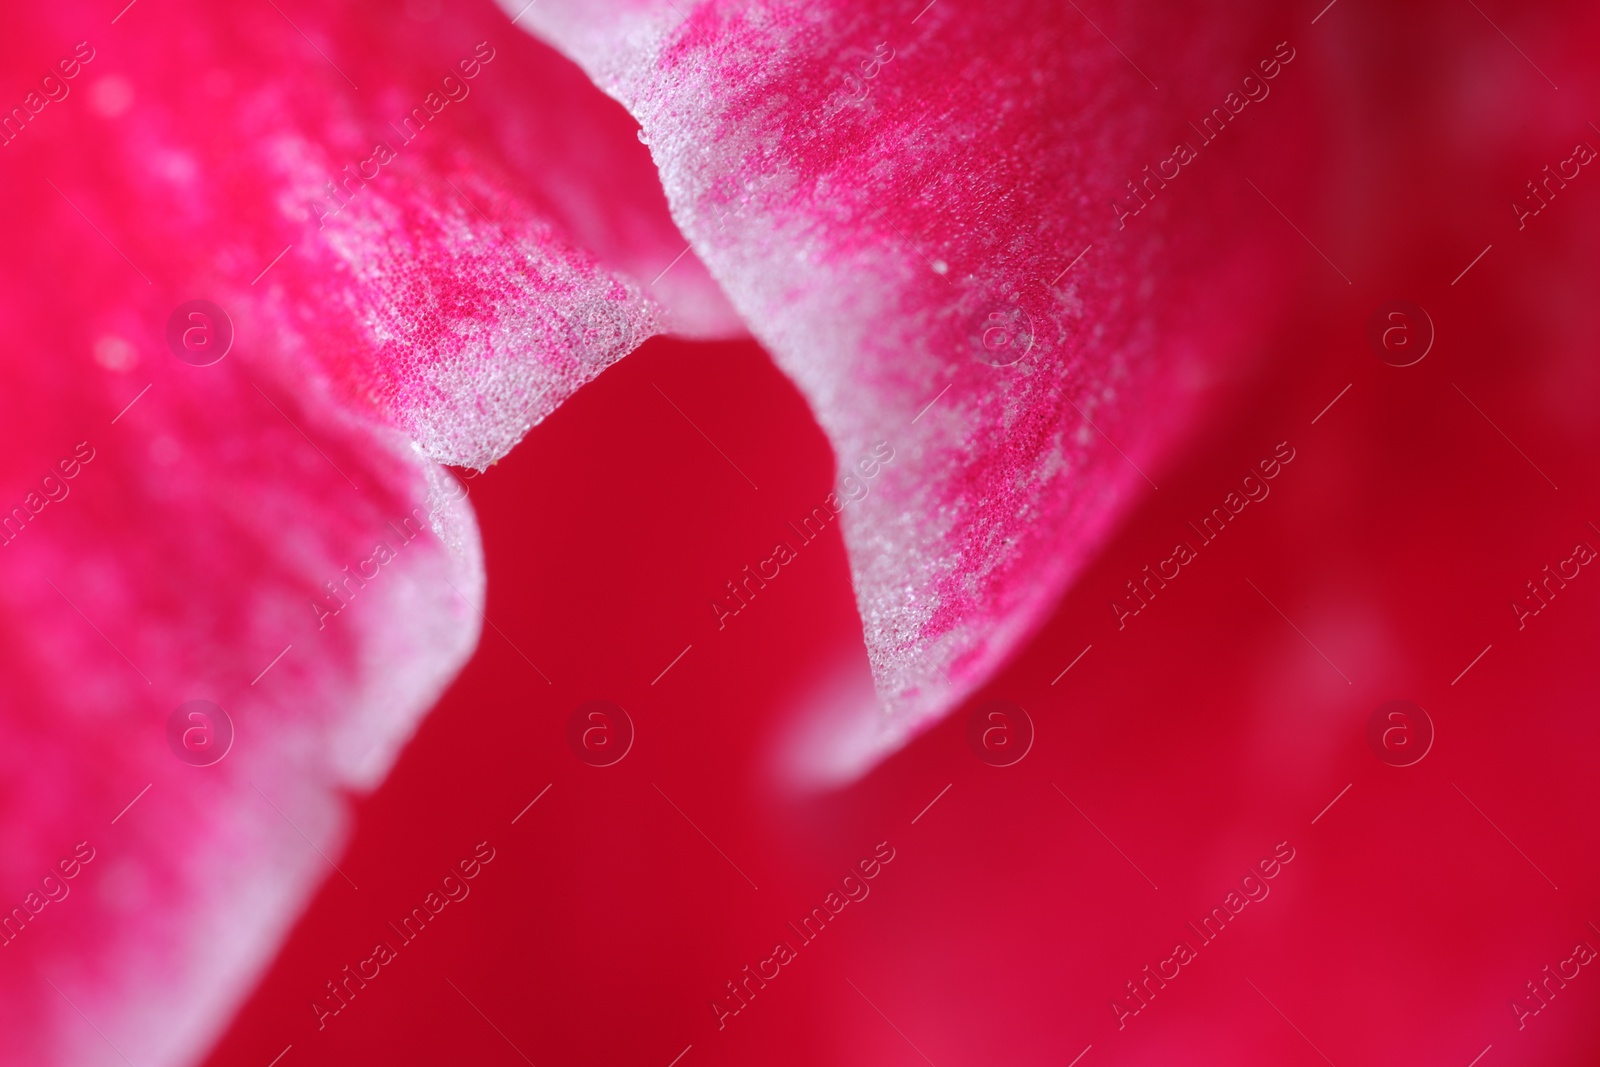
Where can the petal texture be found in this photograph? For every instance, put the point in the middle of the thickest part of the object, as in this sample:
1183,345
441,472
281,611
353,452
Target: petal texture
931,219
442,215
246,508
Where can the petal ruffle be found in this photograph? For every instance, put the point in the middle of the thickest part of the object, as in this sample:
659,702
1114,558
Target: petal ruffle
930,218
456,246
270,533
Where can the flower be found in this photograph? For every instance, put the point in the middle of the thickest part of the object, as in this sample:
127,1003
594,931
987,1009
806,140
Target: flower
273,269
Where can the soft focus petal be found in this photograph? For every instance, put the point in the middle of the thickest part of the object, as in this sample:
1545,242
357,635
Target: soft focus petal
897,201
180,559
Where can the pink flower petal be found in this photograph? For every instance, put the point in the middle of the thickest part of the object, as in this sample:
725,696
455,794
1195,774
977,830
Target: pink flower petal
180,561
896,200
465,239
173,526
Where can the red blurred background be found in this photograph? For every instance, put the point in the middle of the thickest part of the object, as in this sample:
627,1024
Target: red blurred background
1218,723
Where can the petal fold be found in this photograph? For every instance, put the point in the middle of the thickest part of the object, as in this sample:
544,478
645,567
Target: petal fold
406,242
984,239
